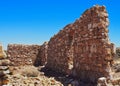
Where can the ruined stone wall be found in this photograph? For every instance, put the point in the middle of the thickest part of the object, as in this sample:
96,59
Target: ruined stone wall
82,48
83,45
60,51
22,54
92,49
42,55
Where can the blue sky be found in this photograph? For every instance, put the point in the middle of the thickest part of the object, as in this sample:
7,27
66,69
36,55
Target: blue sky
36,21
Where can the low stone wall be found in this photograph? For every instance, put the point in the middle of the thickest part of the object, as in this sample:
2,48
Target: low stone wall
22,54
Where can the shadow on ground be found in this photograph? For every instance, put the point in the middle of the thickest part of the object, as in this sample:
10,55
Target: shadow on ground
64,79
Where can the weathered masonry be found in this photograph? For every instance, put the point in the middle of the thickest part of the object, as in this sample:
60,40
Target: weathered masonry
92,48
83,46
60,51
81,49
22,54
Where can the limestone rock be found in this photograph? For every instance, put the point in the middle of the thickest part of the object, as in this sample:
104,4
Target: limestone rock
2,53
102,82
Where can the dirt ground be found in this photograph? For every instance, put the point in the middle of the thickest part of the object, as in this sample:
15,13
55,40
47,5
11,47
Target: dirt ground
40,76
30,76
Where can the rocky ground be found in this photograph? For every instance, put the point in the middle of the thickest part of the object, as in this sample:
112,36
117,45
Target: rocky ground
30,76
41,76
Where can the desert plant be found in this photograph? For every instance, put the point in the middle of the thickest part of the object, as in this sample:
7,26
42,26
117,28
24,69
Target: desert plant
30,72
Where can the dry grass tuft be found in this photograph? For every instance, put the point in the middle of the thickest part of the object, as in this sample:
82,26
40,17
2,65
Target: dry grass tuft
30,72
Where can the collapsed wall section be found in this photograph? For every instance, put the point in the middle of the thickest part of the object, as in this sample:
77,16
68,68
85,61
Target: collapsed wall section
92,48
22,54
60,51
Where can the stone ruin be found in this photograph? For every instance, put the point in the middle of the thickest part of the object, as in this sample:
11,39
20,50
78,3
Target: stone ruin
92,48
83,46
82,49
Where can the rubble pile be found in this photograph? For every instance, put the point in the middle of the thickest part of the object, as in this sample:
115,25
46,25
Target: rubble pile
4,67
22,54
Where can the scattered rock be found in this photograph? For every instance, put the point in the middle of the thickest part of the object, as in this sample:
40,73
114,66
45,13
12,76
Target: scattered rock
102,81
4,69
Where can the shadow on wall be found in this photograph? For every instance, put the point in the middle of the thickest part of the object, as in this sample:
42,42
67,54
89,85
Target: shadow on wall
41,58
37,61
